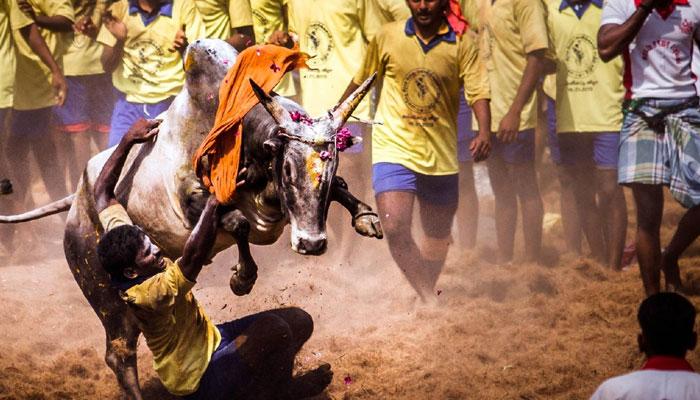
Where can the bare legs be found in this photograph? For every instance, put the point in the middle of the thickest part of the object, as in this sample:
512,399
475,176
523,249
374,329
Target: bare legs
421,266
513,184
468,211
649,200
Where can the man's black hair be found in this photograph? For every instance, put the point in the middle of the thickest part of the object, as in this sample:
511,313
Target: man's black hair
117,249
667,321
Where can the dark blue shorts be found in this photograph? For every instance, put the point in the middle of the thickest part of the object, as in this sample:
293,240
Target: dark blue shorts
227,375
126,113
436,189
465,134
520,151
578,148
88,105
31,124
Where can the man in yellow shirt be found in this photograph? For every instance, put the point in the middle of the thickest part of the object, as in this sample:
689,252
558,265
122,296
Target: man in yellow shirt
85,115
14,22
143,45
230,20
251,357
589,95
514,42
39,85
414,152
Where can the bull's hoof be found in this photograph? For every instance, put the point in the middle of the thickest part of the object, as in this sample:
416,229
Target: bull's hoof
368,224
242,285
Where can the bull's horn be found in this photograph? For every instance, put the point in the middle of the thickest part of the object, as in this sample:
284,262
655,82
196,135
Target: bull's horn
278,113
342,112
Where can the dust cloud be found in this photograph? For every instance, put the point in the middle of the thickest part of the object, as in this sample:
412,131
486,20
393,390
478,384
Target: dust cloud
518,332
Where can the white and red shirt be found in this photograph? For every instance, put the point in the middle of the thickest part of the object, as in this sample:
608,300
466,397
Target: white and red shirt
658,61
661,378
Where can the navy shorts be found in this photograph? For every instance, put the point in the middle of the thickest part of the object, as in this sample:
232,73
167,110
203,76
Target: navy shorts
436,189
227,375
578,148
520,151
465,134
31,124
126,113
88,105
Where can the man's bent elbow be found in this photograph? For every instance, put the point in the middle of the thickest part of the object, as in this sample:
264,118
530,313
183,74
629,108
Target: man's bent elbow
606,54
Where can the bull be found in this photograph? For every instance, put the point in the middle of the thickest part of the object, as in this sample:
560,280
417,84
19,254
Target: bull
290,169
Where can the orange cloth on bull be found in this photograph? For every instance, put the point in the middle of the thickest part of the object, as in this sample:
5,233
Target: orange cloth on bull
266,65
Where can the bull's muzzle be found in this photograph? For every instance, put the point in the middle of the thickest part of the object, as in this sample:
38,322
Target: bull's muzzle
312,247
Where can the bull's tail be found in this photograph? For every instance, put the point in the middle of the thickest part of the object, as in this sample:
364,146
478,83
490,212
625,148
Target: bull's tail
41,212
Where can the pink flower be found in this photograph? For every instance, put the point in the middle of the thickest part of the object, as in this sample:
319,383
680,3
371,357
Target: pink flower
301,118
258,52
343,139
325,155
347,380
274,67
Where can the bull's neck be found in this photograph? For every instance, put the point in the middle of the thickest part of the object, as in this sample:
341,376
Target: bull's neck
189,124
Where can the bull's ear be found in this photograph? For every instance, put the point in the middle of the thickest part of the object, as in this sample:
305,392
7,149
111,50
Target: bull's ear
272,146
275,109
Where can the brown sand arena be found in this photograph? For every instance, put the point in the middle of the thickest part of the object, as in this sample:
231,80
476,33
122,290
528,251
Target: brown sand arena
520,332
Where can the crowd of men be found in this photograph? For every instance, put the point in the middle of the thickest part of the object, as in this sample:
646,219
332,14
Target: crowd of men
461,82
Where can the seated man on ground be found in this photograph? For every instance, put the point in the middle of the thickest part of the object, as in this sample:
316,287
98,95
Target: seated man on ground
193,357
668,333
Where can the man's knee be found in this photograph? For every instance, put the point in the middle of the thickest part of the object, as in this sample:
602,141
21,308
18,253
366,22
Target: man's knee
300,323
274,330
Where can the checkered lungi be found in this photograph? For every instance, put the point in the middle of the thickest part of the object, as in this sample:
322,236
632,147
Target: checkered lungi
660,145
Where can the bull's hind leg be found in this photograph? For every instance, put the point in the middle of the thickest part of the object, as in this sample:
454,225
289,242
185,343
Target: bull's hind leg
122,340
364,220
246,271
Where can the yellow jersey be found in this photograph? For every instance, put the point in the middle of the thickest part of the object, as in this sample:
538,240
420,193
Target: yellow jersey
83,54
393,10
32,78
509,30
419,101
335,34
583,82
11,18
177,330
149,71
221,16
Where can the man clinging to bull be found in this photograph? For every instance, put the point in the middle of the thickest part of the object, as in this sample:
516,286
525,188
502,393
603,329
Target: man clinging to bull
424,61
193,357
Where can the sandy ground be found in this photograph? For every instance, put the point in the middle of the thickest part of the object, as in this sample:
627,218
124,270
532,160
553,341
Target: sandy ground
518,332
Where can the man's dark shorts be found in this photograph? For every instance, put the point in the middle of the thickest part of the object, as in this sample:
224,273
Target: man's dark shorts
227,376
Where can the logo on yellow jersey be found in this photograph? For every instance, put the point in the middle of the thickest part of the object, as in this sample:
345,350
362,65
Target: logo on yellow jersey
145,60
319,43
580,58
421,90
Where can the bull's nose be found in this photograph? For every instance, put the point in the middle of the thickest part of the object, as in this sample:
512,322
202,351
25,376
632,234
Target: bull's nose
312,247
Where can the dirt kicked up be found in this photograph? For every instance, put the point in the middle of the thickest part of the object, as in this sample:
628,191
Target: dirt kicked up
516,332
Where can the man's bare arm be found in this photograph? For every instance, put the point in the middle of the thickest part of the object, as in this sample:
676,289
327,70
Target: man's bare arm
56,23
201,241
534,70
242,37
141,131
112,55
36,42
614,38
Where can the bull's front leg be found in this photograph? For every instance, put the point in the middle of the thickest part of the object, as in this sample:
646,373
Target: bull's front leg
364,219
246,271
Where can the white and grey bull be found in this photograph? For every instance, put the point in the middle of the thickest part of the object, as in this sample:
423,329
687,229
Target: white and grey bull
290,174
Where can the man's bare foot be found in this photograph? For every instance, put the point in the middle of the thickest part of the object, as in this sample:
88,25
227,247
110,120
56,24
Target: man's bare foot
672,273
311,383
